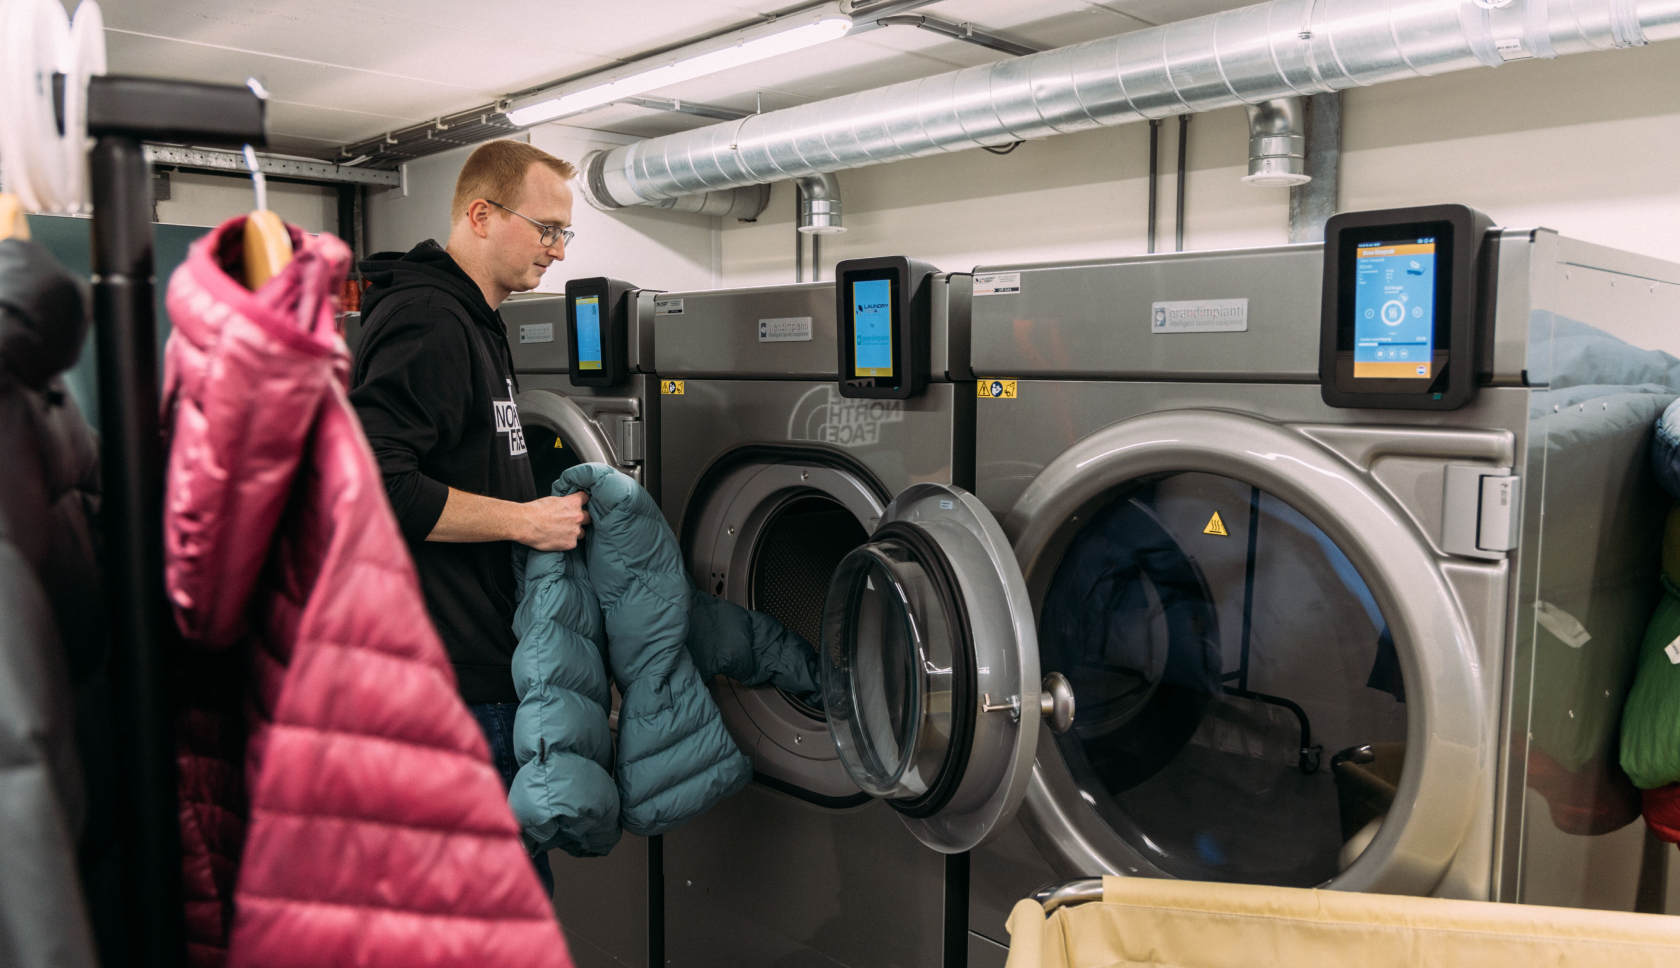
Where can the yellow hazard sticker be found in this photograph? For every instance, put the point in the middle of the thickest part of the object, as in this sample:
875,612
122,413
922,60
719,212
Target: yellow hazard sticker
558,444
671,388
996,389
1216,525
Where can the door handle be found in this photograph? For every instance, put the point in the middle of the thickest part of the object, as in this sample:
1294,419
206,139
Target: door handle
1055,703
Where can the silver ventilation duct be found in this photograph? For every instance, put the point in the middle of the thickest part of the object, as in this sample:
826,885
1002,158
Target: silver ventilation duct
819,205
1271,50
1277,143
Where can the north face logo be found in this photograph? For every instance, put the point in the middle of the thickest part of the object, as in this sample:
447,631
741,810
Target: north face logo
507,422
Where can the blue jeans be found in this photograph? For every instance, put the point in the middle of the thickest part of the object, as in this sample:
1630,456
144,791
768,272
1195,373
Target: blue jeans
496,719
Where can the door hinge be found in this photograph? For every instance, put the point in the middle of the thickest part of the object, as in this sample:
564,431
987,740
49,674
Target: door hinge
1480,512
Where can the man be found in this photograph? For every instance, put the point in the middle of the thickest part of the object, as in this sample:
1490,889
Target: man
433,383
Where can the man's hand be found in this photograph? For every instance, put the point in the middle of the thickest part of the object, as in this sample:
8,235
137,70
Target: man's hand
546,524
555,523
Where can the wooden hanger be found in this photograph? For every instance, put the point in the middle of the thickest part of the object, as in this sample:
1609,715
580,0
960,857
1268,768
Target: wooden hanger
268,246
13,223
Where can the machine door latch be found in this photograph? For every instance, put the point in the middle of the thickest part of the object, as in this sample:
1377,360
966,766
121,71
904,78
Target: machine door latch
1480,513
630,441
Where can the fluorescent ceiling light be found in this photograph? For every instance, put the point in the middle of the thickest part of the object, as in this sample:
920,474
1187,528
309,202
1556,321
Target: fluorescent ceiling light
747,49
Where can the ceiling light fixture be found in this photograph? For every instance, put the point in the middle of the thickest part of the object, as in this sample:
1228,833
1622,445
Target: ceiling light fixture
743,47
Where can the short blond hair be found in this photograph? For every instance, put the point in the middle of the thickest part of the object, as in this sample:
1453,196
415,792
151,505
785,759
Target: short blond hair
496,170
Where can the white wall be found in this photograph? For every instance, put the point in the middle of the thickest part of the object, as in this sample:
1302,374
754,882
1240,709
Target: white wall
650,248
1588,145
196,199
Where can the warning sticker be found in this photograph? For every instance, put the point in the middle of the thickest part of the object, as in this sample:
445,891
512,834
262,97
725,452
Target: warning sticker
1216,525
995,389
671,388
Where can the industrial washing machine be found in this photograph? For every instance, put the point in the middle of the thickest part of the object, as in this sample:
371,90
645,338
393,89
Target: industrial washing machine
587,394
818,437
1347,551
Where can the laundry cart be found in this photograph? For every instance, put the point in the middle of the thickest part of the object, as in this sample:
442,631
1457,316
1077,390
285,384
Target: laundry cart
1114,921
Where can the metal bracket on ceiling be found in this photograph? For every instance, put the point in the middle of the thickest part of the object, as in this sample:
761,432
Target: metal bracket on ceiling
679,106
965,32
212,159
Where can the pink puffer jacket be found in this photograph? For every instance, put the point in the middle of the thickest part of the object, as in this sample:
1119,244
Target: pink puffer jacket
338,806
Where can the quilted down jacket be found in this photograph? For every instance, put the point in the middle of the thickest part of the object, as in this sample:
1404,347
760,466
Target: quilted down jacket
1651,718
338,806
623,593
49,622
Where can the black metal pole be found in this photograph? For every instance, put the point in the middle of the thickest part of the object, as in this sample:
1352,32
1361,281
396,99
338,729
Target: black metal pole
656,901
816,258
1183,153
1154,174
131,451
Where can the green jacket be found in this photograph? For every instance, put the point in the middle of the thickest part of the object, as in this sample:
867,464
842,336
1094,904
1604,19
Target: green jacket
622,600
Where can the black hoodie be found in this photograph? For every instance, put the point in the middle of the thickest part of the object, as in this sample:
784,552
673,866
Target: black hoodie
433,384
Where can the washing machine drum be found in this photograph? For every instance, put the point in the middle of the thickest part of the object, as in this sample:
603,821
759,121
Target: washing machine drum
1219,644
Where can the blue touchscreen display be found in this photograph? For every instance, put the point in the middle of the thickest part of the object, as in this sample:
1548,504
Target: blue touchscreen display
1394,310
872,327
588,332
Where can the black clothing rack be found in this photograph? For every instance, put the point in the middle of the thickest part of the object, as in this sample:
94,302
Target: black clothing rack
122,112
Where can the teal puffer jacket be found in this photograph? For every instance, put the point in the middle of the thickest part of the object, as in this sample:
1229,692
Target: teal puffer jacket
624,594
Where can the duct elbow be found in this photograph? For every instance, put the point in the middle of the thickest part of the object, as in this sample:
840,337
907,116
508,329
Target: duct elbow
606,189
1277,143
819,208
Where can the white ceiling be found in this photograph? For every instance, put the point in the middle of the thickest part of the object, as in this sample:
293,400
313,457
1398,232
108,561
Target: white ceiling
343,70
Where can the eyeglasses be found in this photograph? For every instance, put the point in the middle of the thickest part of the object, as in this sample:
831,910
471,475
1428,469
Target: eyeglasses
550,233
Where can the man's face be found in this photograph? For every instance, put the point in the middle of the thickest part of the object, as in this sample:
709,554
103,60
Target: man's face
517,255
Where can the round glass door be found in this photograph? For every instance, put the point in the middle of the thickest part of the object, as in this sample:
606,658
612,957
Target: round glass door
1242,711
897,670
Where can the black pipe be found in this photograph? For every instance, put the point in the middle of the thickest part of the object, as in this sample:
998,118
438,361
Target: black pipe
798,236
656,901
816,258
1154,175
131,454
1183,153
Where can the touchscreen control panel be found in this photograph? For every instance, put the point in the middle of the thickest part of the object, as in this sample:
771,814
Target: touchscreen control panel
598,331
884,309
1400,318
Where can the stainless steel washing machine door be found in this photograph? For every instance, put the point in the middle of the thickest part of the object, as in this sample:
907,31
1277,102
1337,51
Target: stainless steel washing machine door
929,668
559,435
1276,681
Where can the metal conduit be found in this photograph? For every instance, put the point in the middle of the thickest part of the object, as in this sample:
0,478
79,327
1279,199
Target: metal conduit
1270,50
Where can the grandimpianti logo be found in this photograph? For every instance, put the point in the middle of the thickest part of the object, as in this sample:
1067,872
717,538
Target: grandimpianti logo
1200,316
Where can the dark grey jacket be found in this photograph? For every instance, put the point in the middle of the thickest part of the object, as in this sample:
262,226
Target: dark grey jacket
50,608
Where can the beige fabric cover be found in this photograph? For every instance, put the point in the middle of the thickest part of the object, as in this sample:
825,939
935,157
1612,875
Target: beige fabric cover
1187,924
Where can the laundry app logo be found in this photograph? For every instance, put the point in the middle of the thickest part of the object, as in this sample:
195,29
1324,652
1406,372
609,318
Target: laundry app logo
1216,525
996,389
671,388
507,422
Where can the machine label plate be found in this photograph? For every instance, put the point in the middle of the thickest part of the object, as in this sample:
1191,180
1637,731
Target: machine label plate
997,283
789,329
537,333
1200,316
667,307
